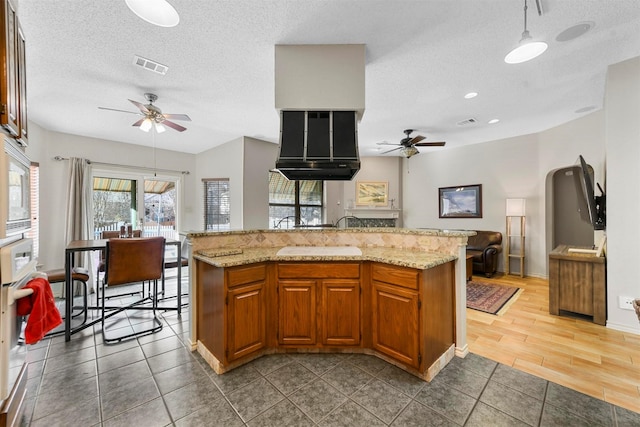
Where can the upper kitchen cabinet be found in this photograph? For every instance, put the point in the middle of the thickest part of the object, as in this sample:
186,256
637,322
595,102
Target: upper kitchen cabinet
13,102
22,89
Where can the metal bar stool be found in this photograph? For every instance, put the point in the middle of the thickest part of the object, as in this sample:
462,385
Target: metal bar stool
78,274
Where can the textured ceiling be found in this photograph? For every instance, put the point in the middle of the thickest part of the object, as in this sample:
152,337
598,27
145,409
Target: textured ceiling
422,57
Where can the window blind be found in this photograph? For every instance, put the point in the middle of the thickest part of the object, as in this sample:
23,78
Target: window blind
216,204
34,233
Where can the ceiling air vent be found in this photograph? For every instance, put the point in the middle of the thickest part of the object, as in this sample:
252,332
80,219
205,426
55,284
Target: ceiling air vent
150,65
467,122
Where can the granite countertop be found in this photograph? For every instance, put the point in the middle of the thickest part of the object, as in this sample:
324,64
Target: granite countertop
402,257
414,231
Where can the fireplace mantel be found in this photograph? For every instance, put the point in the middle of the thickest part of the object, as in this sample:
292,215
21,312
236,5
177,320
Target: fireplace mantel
374,213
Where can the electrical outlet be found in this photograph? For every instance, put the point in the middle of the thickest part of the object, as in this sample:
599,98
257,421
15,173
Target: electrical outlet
625,303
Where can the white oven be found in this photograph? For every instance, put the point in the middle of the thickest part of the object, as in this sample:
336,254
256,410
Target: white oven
17,267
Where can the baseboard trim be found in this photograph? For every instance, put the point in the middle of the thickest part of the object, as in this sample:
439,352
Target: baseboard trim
623,328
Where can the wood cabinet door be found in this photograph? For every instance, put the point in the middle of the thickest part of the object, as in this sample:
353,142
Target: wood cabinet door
576,287
340,312
246,320
23,124
395,323
9,70
297,324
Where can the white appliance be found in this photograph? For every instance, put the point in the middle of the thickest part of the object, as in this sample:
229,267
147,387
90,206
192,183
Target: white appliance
17,267
15,208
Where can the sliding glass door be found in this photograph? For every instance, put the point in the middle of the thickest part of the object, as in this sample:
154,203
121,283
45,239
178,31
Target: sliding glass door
123,199
160,208
114,203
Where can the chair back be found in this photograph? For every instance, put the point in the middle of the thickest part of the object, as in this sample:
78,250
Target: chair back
109,234
113,234
134,260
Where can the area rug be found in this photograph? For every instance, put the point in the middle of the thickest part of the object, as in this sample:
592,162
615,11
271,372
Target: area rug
490,298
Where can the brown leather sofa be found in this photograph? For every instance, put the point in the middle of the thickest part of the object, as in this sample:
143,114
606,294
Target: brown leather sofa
485,247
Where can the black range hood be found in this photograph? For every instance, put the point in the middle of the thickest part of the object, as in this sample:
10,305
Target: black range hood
318,145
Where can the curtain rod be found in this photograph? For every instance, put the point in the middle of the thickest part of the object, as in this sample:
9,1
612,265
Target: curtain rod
60,158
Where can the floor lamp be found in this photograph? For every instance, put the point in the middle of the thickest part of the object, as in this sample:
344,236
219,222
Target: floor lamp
515,211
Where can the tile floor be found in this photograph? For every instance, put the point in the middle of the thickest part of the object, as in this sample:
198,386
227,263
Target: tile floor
155,381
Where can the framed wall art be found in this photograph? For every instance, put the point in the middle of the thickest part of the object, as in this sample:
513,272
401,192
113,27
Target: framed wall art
464,201
372,193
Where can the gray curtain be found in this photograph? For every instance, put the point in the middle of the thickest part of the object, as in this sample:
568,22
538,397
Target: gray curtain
79,212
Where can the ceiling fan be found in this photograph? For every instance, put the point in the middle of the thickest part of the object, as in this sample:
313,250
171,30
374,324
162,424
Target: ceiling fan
152,116
408,144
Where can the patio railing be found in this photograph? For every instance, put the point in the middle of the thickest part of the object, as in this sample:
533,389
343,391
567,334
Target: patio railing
167,231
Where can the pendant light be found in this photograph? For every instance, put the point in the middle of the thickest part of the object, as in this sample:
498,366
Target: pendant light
527,49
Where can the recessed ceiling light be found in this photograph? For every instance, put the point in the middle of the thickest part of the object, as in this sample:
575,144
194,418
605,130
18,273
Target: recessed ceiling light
575,31
156,12
493,121
471,95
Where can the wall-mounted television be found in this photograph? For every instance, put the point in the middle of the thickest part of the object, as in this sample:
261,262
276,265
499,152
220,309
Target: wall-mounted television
596,204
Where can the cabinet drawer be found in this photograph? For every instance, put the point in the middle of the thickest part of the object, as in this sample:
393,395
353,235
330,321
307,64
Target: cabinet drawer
400,276
323,270
243,275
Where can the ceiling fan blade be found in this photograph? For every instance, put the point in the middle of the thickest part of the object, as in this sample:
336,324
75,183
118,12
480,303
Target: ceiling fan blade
174,126
139,122
393,149
140,106
177,117
430,144
418,138
386,143
121,111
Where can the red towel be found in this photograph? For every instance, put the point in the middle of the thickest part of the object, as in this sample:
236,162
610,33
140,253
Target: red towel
41,308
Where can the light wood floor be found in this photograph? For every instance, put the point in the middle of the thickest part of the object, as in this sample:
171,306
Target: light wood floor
575,353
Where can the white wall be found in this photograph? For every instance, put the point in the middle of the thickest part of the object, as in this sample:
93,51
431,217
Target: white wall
622,126
334,201
506,169
560,147
259,158
386,169
246,162
223,161
45,145
514,167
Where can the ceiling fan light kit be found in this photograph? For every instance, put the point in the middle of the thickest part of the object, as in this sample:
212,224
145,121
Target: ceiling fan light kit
408,144
409,151
153,116
527,48
145,126
156,12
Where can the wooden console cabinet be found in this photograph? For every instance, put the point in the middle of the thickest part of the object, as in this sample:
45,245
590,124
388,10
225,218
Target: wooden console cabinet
577,284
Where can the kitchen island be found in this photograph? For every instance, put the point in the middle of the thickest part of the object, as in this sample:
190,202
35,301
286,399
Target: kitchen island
398,294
